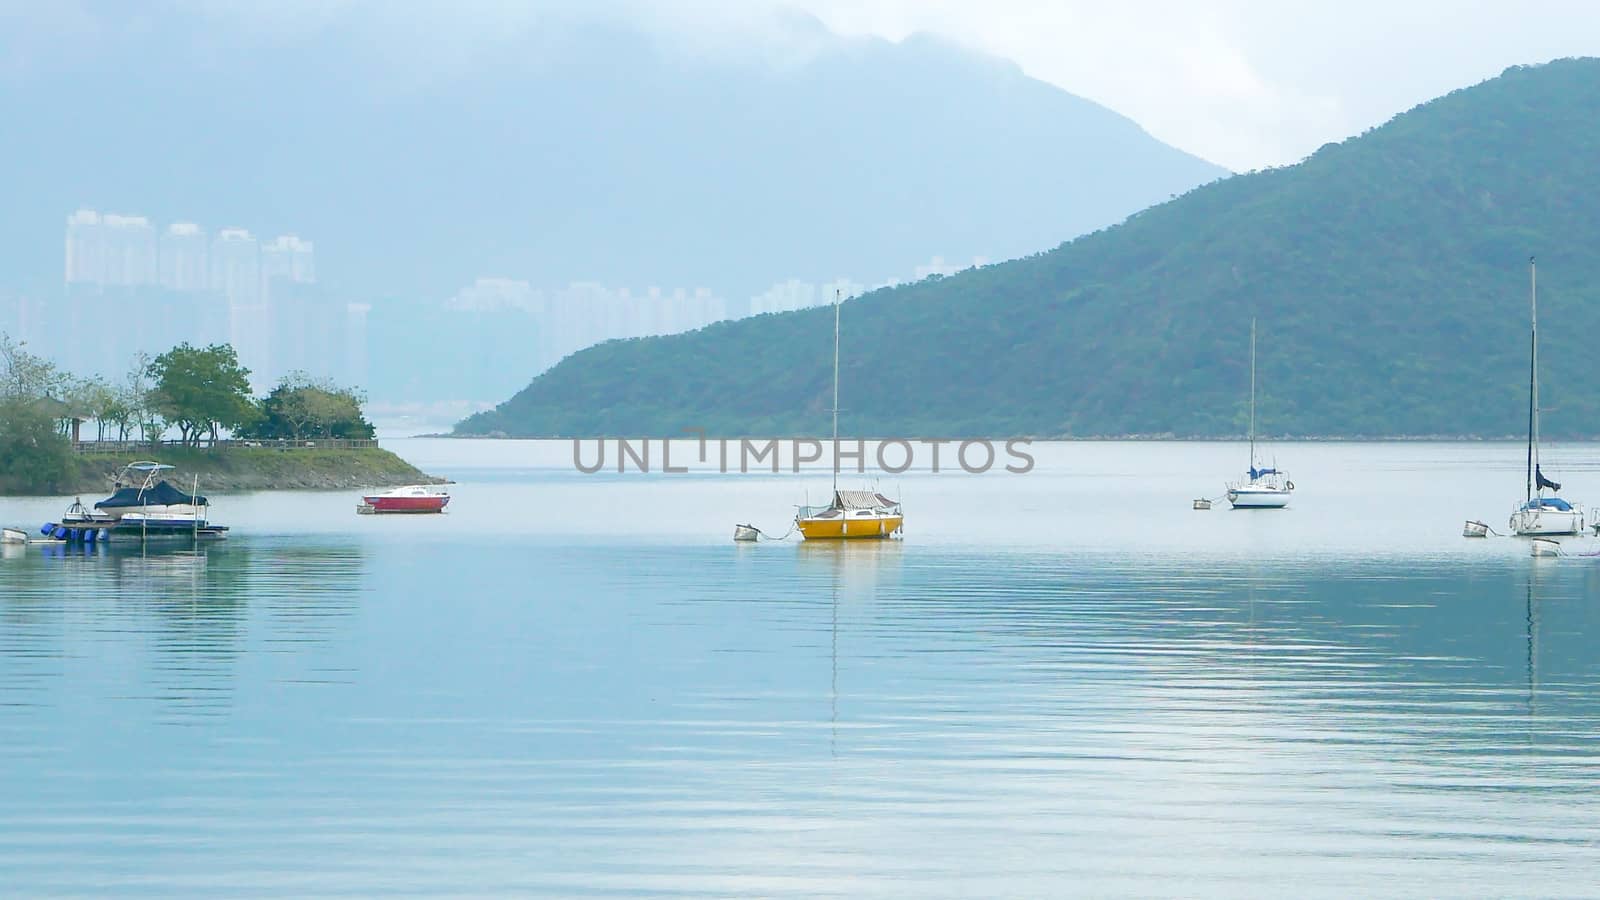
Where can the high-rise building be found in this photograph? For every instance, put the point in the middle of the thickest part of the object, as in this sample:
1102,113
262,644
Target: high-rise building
235,262
491,294
288,258
86,259
110,249
183,257
130,250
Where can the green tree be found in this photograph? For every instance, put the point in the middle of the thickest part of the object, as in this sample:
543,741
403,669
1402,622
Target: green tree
34,456
202,391
135,395
24,376
301,407
95,397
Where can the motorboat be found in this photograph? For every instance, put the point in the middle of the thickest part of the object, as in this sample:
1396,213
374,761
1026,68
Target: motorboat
144,505
143,489
1540,514
412,498
1266,487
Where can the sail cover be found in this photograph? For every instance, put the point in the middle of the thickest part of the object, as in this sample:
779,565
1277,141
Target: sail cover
1257,473
163,494
860,500
1541,481
1548,503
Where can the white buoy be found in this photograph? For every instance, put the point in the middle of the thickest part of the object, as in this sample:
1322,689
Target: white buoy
1474,529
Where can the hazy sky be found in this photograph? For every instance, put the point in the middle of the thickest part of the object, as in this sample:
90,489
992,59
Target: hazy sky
1246,83
1243,83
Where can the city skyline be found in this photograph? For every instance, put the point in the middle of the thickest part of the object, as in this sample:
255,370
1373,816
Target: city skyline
132,284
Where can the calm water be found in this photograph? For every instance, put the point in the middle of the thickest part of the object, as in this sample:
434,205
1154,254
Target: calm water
1065,683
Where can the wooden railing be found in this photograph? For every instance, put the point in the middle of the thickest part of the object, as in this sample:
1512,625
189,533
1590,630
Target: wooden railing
155,447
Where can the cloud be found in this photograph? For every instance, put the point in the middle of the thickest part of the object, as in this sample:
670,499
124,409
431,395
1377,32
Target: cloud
1246,83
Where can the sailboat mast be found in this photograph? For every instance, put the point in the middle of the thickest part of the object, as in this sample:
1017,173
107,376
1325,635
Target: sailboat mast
1533,377
836,392
1252,397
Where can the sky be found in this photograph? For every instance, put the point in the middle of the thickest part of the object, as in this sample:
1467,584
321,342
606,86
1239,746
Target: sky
1246,83
1243,83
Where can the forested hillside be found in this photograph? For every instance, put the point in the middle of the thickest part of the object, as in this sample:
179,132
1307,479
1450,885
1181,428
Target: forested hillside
1388,274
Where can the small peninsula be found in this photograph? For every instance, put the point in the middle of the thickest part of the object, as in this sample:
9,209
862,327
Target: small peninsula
63,434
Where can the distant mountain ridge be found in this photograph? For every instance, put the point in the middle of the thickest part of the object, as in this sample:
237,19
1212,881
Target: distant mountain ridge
1388,272
584,153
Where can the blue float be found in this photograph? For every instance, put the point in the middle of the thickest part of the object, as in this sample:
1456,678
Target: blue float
60,533
46,528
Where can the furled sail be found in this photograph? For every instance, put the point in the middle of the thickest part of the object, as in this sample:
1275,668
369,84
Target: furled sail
1541,481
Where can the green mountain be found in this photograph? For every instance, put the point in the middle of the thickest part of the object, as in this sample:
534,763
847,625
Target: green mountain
1388,273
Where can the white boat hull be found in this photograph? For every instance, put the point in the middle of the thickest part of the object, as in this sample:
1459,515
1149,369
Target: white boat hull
1256,498
1535,522
1544,548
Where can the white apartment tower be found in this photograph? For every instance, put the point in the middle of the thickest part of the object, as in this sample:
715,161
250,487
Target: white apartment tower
130,253
110,249
236,274
183,257
288,258
86,261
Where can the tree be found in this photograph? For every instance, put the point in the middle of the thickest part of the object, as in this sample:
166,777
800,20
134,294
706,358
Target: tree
96,398
24,376
135,395
33,454
201,391
301,407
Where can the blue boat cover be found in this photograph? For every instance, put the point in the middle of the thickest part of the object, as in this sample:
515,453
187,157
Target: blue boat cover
1548,503
1257,473
163,494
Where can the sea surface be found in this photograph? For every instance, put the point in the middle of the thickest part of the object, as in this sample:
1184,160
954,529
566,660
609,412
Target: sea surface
1060,683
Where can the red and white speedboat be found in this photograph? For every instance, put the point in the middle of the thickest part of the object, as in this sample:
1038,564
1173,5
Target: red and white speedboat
413,498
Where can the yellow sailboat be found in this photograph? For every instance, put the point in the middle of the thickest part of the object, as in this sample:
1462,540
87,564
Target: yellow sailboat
851,514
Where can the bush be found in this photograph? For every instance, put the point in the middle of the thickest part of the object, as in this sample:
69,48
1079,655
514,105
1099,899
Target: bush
34,455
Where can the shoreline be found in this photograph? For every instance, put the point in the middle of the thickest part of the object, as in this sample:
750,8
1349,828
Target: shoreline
238,470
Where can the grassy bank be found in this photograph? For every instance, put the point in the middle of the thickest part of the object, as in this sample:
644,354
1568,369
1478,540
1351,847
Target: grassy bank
240,469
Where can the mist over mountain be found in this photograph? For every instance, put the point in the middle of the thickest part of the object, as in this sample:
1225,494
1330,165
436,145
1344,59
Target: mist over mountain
1389,274
563,150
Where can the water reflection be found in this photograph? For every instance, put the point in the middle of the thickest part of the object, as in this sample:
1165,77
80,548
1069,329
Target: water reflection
182,618
847,719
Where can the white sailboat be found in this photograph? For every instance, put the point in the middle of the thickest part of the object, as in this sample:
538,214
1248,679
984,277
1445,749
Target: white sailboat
1540,514
1267,487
